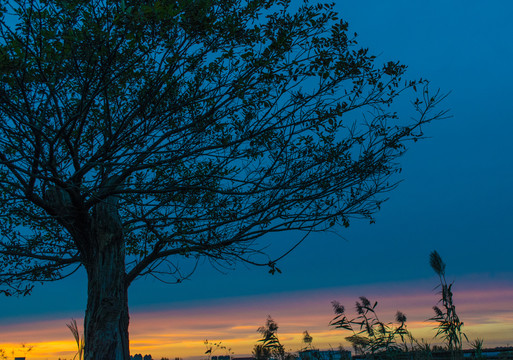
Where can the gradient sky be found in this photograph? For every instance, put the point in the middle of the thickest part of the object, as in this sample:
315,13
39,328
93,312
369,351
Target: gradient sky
456,197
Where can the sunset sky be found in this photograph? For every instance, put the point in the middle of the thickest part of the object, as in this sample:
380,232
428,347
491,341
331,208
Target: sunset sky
456,197
179,328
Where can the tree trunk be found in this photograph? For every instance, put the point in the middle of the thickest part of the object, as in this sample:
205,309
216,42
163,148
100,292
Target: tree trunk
106,319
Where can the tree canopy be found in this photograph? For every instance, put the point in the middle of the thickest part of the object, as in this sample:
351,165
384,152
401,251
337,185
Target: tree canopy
156,130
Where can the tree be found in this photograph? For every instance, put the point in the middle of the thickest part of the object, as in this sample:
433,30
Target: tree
137,133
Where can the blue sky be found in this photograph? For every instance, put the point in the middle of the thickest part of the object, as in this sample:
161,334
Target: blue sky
456,195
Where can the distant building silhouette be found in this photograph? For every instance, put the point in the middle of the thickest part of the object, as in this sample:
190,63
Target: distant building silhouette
140,357
325,355
221,357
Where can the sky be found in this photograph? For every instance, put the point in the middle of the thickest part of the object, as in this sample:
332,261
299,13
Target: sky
456,197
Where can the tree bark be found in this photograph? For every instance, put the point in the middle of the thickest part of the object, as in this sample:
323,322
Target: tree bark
106,319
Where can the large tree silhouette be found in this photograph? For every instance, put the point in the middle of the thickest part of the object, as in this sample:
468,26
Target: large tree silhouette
136,133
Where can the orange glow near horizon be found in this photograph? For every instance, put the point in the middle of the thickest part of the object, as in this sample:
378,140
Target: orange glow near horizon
181,331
